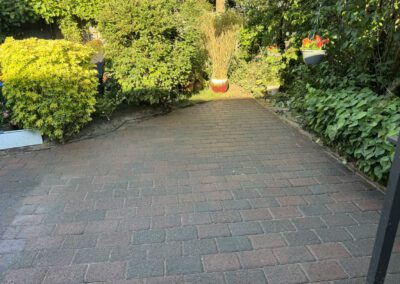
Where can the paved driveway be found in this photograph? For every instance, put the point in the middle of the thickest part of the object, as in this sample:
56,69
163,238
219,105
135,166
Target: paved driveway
222,192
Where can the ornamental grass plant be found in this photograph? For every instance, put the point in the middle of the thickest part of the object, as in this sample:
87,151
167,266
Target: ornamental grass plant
220,33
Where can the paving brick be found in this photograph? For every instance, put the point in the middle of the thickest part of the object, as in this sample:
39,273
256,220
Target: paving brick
100,272
267,241
307,223
80,241
266,202
359,247
232,244
10,246
368,217
196,219
25,276
163,250
256,214
121,213
132,253
339,219
335,234
208,206
394,263
319,199
158,280
44,242
255,276
54,257
257,258
182,234
245,228
392,278
199,247
70,229
65,274
303,181
92,255
136,224
246,194
148,236
213,231
342,207
291,200
170,221
369,204
145,269
236,204
114,239
23,259
324,271
226,217
221,262
90,215
301,238
287,255
329,251
299,191
285,274
183,265
314,210
26,220
205,278
277,226
285,212
101,226
356,267
109,203
363,231
150,211
271,190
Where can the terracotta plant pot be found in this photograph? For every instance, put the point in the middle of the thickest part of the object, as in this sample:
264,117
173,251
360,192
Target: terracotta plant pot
219,85
313,57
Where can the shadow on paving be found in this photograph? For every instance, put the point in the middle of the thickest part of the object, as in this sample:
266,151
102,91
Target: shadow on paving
221,192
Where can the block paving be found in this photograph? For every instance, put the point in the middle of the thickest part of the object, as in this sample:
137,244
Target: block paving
221,192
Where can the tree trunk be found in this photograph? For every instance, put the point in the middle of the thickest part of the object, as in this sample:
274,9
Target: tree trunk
220,6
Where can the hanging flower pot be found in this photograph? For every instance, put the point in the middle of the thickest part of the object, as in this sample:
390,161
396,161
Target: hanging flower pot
312,50
219,85
313,57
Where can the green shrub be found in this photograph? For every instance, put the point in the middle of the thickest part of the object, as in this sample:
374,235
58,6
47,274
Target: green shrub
72,15
13,14
49,85
153,46
263,71
358,123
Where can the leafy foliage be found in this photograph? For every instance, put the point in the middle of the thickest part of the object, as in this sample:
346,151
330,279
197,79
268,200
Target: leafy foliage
364,32
4,112
358,123
49,85
153,46
72,15
263,71
13,14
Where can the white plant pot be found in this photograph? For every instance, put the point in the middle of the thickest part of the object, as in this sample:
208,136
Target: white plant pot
19,138
313,57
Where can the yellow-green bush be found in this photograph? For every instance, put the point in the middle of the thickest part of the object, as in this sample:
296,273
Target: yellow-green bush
49,85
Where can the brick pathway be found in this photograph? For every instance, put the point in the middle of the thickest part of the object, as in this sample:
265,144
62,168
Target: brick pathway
222,192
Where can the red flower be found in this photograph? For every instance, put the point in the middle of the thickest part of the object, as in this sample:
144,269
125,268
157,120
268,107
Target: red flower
317,43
